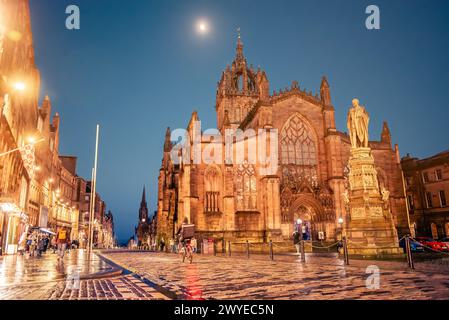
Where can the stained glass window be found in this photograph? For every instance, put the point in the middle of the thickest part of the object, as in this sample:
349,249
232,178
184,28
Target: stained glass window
297,143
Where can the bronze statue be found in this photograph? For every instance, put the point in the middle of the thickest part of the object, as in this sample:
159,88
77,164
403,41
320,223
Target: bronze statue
358,121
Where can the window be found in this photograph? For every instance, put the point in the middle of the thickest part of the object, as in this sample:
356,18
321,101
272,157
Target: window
408,181
411,205
211,187
297,143
425,177
438,174
429,200
443,202
245,187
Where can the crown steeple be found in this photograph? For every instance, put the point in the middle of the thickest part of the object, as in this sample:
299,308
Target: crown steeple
239,51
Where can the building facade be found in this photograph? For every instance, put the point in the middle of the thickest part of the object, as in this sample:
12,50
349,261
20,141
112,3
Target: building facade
427,185
237,201
38,186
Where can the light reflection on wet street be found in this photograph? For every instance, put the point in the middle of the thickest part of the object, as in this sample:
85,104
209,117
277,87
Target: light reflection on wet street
16,269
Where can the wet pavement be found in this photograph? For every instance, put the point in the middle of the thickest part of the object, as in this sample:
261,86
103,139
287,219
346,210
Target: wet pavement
16,269
286,277
74,278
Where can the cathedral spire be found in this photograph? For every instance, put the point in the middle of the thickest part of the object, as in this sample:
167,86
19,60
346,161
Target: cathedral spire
325,92
386,135
143,211
167,143
143,196
239,55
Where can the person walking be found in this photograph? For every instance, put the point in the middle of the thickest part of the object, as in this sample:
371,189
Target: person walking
61,240
297,240
194,244
172,245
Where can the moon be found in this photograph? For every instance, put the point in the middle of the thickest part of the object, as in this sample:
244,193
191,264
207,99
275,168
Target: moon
202,27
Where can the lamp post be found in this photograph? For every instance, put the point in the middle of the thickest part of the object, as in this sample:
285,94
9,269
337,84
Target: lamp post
31,142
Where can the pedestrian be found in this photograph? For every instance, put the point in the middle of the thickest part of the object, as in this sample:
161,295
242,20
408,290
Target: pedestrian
61,240
22,244
46,242
162,245
297,240
193,244
172,245
32,240
53,244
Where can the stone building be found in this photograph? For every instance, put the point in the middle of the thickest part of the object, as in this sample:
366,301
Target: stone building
427,185
19,90
38,186
235,201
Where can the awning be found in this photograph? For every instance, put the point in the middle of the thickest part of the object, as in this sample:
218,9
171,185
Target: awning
44,230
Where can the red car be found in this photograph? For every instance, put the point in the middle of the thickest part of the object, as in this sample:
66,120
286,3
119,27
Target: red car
433,244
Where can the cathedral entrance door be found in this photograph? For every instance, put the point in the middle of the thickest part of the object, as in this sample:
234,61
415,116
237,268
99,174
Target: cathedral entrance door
303,222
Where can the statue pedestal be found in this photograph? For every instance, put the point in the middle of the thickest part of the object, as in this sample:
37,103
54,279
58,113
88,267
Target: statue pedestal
370,228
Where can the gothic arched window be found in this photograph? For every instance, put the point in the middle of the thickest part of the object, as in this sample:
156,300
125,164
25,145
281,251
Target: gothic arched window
245,187
297,143
212,190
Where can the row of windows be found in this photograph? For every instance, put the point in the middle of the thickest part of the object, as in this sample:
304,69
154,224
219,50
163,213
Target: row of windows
438,173
429,200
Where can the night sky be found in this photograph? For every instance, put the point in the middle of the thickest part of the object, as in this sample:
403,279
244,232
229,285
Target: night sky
138,66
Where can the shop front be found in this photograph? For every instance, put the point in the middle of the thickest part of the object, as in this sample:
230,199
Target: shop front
14,226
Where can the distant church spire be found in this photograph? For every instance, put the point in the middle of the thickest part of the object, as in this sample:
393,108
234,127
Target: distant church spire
143,211
143,196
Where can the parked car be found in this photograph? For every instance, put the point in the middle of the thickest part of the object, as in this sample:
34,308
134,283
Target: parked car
415,246
433,244
445,241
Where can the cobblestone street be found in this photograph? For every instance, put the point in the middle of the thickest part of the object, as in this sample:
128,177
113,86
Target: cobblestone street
212,277
43,278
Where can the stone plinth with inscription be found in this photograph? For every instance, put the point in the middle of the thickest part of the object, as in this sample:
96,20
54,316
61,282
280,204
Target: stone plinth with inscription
370,230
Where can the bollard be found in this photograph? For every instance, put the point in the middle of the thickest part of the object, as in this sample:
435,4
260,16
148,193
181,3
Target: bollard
303,253
201,247
271,250
229,248
247,249
215,249
345,251
408,251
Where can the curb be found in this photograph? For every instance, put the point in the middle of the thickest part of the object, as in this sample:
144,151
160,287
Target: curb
169,294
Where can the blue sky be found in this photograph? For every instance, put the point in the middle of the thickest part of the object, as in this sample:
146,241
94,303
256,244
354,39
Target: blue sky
136,67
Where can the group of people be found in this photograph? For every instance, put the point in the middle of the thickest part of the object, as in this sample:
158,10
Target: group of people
35,243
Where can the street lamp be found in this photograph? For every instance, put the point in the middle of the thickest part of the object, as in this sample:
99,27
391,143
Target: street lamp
19,86
299,221
340,221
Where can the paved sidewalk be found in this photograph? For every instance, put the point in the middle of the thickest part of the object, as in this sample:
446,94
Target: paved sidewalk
75,278
17,269
212,277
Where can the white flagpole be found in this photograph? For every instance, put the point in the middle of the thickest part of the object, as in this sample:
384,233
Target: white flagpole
93,190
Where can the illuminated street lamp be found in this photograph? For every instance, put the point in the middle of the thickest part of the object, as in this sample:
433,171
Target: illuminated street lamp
31,142
340,221
299,221
19,86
